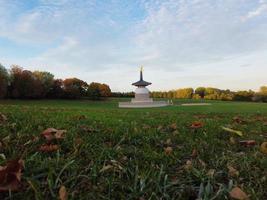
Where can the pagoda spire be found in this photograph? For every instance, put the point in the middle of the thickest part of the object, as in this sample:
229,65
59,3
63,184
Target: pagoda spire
141,73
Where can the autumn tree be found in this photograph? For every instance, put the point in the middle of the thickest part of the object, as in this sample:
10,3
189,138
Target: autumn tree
56,91
185,93
74,88
24,84
46,79
4,79
105,91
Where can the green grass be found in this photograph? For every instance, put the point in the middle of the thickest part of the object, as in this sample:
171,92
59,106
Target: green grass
132,142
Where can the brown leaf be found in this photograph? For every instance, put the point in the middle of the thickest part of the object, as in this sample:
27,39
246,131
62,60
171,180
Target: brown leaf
188,165
52,133
247,143
173,126
10,175
232,171
211,172
263,147
3,118
237,193
238,120
168,150
168,141
197,125
105,168
48,148
63,195
232,140
194,153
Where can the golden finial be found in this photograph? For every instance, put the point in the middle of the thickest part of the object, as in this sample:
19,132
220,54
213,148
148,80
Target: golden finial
141,69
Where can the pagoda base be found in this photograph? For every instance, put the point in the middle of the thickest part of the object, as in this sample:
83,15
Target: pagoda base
151,104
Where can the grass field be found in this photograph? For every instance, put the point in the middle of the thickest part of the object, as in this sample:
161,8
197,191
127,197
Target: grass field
112,153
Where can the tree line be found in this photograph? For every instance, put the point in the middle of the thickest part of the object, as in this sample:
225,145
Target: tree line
214,94
19,83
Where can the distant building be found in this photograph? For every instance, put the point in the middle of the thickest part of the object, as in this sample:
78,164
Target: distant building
142,99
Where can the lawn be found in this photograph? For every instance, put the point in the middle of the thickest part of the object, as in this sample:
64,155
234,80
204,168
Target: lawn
112,153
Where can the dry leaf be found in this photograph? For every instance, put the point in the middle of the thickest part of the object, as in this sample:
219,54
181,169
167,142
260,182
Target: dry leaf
188,165
168,150
237,193
247,143
232,140
194,153
211,173
232,131
105,168
197,125
52,133
10,175
238,120
263,147
173,126
63,195
48,148
232,171
168,141
3,118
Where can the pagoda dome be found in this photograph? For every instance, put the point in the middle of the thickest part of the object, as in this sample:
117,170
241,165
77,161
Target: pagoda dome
141,90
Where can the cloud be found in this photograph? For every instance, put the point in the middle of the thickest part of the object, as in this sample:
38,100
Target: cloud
260,10
175,40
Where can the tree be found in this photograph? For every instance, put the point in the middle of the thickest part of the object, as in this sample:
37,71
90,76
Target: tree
46,79
24,84
4,79
74,88
200,91
93,91
185,93
105,91
56,90
244,95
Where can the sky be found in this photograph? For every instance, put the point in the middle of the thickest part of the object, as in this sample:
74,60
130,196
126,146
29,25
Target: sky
180,43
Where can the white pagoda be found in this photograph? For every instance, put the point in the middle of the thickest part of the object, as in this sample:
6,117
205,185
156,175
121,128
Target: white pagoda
142,98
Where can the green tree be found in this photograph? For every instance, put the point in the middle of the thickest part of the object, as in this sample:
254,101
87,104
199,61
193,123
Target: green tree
46,79
200,91
4,80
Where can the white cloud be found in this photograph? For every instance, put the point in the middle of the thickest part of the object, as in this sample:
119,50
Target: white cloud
180,43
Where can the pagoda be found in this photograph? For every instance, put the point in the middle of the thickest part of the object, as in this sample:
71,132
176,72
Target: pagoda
141,92
141,98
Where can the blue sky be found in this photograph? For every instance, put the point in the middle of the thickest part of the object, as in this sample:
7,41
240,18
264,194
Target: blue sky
180,43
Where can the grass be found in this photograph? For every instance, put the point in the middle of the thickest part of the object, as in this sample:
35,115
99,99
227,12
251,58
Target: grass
112,153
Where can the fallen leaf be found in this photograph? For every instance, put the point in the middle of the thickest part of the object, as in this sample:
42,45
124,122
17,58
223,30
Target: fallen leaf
211,173
10,175
232,131
168,141
48,148
105,168
232,171
263,147
237,193
168,150
239,120
232,140
63,195
3,118
52,133
197,125
188,165
194,153
173,126
247,143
